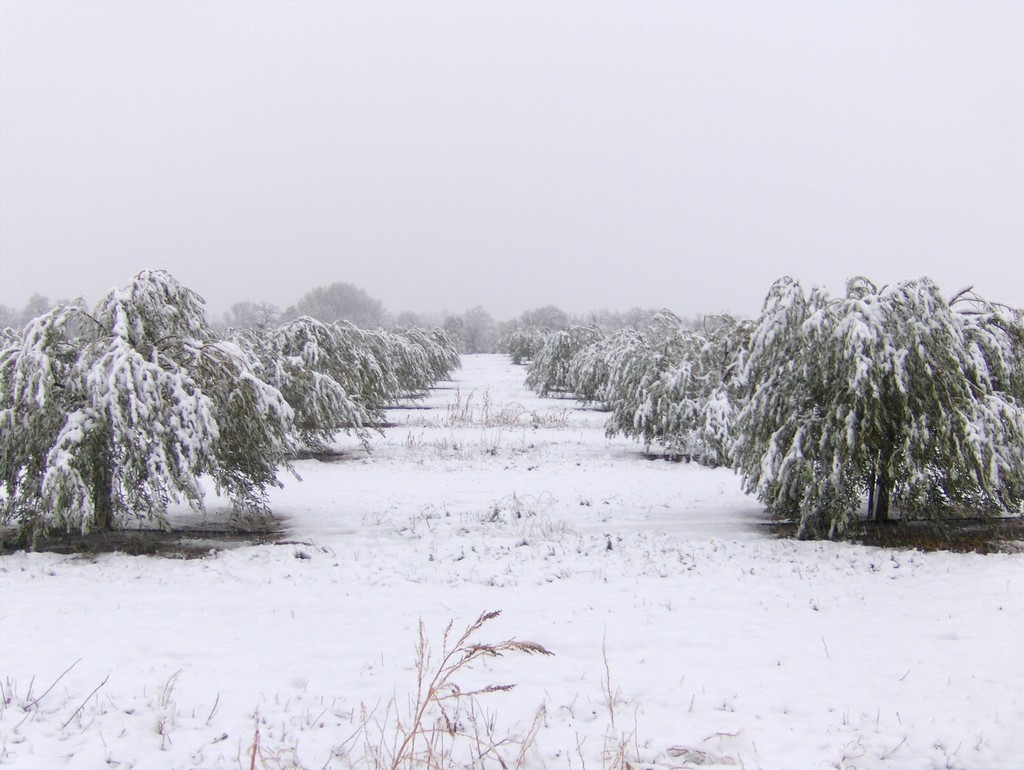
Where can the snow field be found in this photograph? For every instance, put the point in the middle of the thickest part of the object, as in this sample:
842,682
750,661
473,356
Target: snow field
722,647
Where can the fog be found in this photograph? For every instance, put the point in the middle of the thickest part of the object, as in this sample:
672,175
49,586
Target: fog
511,154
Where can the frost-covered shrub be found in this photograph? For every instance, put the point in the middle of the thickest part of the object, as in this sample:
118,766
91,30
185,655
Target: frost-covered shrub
550,370
114,413
895,395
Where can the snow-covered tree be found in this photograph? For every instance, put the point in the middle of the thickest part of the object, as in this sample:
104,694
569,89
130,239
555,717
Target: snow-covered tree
655,385
421,358
307,361
550,369
389,366
590,368
667,384
339,302
522,344
113,414
260,316
722,355
892,395
475,330
338,377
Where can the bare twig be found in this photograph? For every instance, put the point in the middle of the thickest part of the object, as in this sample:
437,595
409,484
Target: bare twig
87,697
33,703
255,750
894,749
213,710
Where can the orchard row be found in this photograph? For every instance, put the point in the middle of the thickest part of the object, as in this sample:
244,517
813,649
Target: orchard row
894,398
114,412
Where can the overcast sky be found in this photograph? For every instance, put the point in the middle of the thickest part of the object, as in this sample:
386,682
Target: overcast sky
511,154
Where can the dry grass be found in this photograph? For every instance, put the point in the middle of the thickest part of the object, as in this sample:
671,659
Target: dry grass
443,709
445,727
445,723
469,412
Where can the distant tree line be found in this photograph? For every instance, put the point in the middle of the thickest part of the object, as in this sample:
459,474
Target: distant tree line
16,319
475,330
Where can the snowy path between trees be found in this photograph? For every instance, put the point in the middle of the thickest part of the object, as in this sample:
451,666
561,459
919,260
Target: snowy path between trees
723,647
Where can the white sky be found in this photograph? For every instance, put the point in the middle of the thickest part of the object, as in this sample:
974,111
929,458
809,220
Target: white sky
511,154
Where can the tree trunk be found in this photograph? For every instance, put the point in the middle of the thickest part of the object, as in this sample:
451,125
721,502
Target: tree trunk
881,493
872,481
102,494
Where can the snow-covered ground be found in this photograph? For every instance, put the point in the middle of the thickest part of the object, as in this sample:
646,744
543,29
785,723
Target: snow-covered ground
721,646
